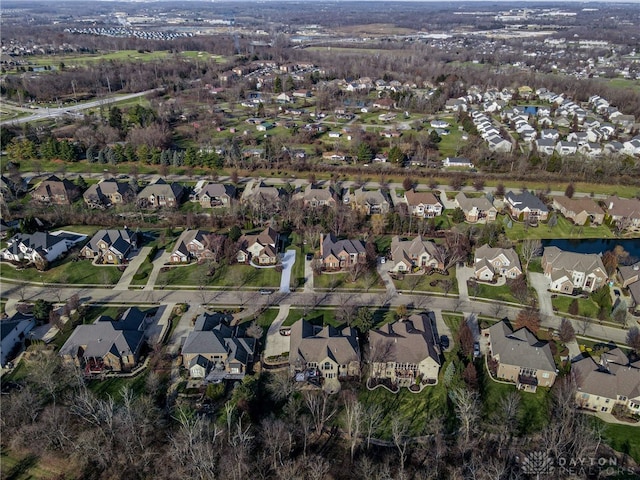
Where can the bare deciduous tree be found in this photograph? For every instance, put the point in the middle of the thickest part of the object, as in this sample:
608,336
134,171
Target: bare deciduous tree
531,248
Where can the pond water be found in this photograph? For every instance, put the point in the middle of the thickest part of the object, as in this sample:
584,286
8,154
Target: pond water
596,245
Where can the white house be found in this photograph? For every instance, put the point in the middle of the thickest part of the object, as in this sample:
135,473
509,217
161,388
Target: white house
13,332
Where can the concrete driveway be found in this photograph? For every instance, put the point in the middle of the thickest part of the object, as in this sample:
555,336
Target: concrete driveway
277,344
132,268
462,275
308,276
541,284
383,271
288,260
161,259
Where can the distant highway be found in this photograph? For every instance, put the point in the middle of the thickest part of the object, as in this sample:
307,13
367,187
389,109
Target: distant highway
41,113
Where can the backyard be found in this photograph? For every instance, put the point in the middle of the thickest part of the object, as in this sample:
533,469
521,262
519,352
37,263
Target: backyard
563,229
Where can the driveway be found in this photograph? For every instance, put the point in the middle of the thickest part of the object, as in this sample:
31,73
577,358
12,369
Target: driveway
277,344
287,265
183,328
159,323
541,284
383,271
132,268
161,258
463,274
442,328
308,276
446,203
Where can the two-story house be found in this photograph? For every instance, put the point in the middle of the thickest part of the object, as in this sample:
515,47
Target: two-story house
261,249
316,197
107,193
338,254
197,244
39,246
490,262
579,210
624,210
161,195
213,195
611,381
406,352
369,202
422,204
53,191
527,206
476,209
333,353
216,351
568,271
520,356
420,253
111,246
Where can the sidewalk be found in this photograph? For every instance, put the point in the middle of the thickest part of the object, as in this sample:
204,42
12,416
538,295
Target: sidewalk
132,268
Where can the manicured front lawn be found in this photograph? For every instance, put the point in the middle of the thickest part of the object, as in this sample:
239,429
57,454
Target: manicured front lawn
224,276
141,277
321,316
453,321
501,293
586,306
422,283
342,280
564,229
66,271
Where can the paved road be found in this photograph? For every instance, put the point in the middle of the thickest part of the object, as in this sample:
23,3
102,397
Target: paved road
42,113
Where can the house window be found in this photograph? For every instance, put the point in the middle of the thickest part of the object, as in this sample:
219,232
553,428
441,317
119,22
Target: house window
545,375
604,409
327,366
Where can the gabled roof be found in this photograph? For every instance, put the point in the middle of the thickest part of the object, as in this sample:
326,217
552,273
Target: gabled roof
612,377
312,344
36,241
468,204
120,240
410,341
409,249
580,204
160,187
420,198
369,197
6,326
623,207
332,246
520,348
571,261
485,252
218,190
525,200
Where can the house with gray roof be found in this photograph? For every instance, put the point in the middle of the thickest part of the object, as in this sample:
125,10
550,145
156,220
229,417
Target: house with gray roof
161,195
337,254
333,352
568,271
214,195
406,351
623,211
420,253
521,358
610,381
107,344
111,246
316,197
526,204
198,245
491,262
369,202
216,351
476,209
107,193
12,334
39,246
53,191
260,249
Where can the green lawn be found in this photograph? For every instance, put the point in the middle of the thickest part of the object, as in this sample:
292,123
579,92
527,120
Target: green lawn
141,277
113,386
586,306
564,229
534,407
66,271
224,276
501,293
453,321
321,316
31,467
342,280
422,283
450,144
623,438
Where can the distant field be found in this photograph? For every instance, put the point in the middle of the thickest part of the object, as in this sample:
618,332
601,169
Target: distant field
623,83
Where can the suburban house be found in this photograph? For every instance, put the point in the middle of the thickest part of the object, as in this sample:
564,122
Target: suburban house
12,334
546,146
624,210
330,352
406,352
216,351
629,276
337,254
315,197
161,194
476,209
369,201
108,193
197,244
612,381
258,193
107,344
54,191
526,204
419,253
40,246
457,162
111,246
579,210
214,195
569,271
423,204
261,249
490,262
521,358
